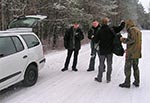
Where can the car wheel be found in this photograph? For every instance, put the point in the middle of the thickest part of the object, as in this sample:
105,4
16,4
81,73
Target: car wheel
30,76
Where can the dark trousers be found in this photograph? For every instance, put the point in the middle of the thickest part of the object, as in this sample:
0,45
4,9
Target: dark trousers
102,58
69,54
134,63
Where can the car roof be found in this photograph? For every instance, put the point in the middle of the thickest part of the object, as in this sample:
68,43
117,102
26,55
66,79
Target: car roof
16,31
19,30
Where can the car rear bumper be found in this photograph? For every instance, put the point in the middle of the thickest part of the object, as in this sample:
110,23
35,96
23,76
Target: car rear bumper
42,63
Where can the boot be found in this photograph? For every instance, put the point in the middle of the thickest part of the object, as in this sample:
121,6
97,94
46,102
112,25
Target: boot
89,70
75,69
98,80
136,84
124,85
64,69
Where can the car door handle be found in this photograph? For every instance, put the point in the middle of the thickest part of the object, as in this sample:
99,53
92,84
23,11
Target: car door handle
25,56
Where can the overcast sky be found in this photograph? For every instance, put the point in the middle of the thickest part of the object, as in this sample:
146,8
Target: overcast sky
145,3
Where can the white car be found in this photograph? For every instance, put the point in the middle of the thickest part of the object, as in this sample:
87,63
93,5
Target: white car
21,56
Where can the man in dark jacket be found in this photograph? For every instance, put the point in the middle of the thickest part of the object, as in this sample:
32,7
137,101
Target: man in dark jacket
72,42
106,36
94,46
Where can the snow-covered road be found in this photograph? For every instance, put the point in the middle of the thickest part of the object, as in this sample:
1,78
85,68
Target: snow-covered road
54,86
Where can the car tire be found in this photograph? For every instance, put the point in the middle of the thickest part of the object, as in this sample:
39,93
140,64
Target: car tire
31,76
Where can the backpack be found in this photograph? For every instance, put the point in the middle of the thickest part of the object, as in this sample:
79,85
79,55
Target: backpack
117,45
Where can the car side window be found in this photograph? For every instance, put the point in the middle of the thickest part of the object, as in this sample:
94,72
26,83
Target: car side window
18,44
31,40
7,46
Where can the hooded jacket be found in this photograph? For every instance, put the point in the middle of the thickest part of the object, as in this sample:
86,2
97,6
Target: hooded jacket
133,41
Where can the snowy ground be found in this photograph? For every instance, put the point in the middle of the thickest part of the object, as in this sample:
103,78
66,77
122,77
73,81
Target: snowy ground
54,86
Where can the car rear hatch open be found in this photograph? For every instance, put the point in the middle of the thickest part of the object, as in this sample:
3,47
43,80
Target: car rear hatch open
26,21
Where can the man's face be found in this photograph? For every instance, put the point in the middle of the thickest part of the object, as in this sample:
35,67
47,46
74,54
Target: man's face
95,24
76,25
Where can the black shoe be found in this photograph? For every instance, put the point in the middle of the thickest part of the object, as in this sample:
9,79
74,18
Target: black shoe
136,84
98,80
89,70
124,85
108,81
64,69
108,78
75,69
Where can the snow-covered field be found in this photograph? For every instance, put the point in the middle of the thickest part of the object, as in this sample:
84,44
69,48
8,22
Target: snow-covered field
54,86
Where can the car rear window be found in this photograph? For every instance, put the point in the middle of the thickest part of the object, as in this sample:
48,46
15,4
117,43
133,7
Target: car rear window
31,40
23,22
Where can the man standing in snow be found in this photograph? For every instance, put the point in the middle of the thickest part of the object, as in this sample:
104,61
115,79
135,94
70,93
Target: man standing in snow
94,46
72,42
106,36
133,53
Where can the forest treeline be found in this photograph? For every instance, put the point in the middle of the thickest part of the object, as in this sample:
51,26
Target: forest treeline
61,13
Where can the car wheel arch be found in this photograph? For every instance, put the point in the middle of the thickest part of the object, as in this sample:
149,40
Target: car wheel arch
32,69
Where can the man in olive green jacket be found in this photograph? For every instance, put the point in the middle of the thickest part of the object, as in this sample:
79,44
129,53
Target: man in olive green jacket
133,53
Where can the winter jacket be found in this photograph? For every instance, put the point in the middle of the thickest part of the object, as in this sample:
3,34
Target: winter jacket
91,32
105,36
133,41
72,38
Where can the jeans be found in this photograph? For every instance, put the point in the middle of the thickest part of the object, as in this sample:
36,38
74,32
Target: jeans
92,59
102,58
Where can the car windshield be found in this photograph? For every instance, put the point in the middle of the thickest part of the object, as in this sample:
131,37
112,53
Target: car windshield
23,22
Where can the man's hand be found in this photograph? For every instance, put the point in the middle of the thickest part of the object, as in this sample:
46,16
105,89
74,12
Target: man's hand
92,36
122,39
122,21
